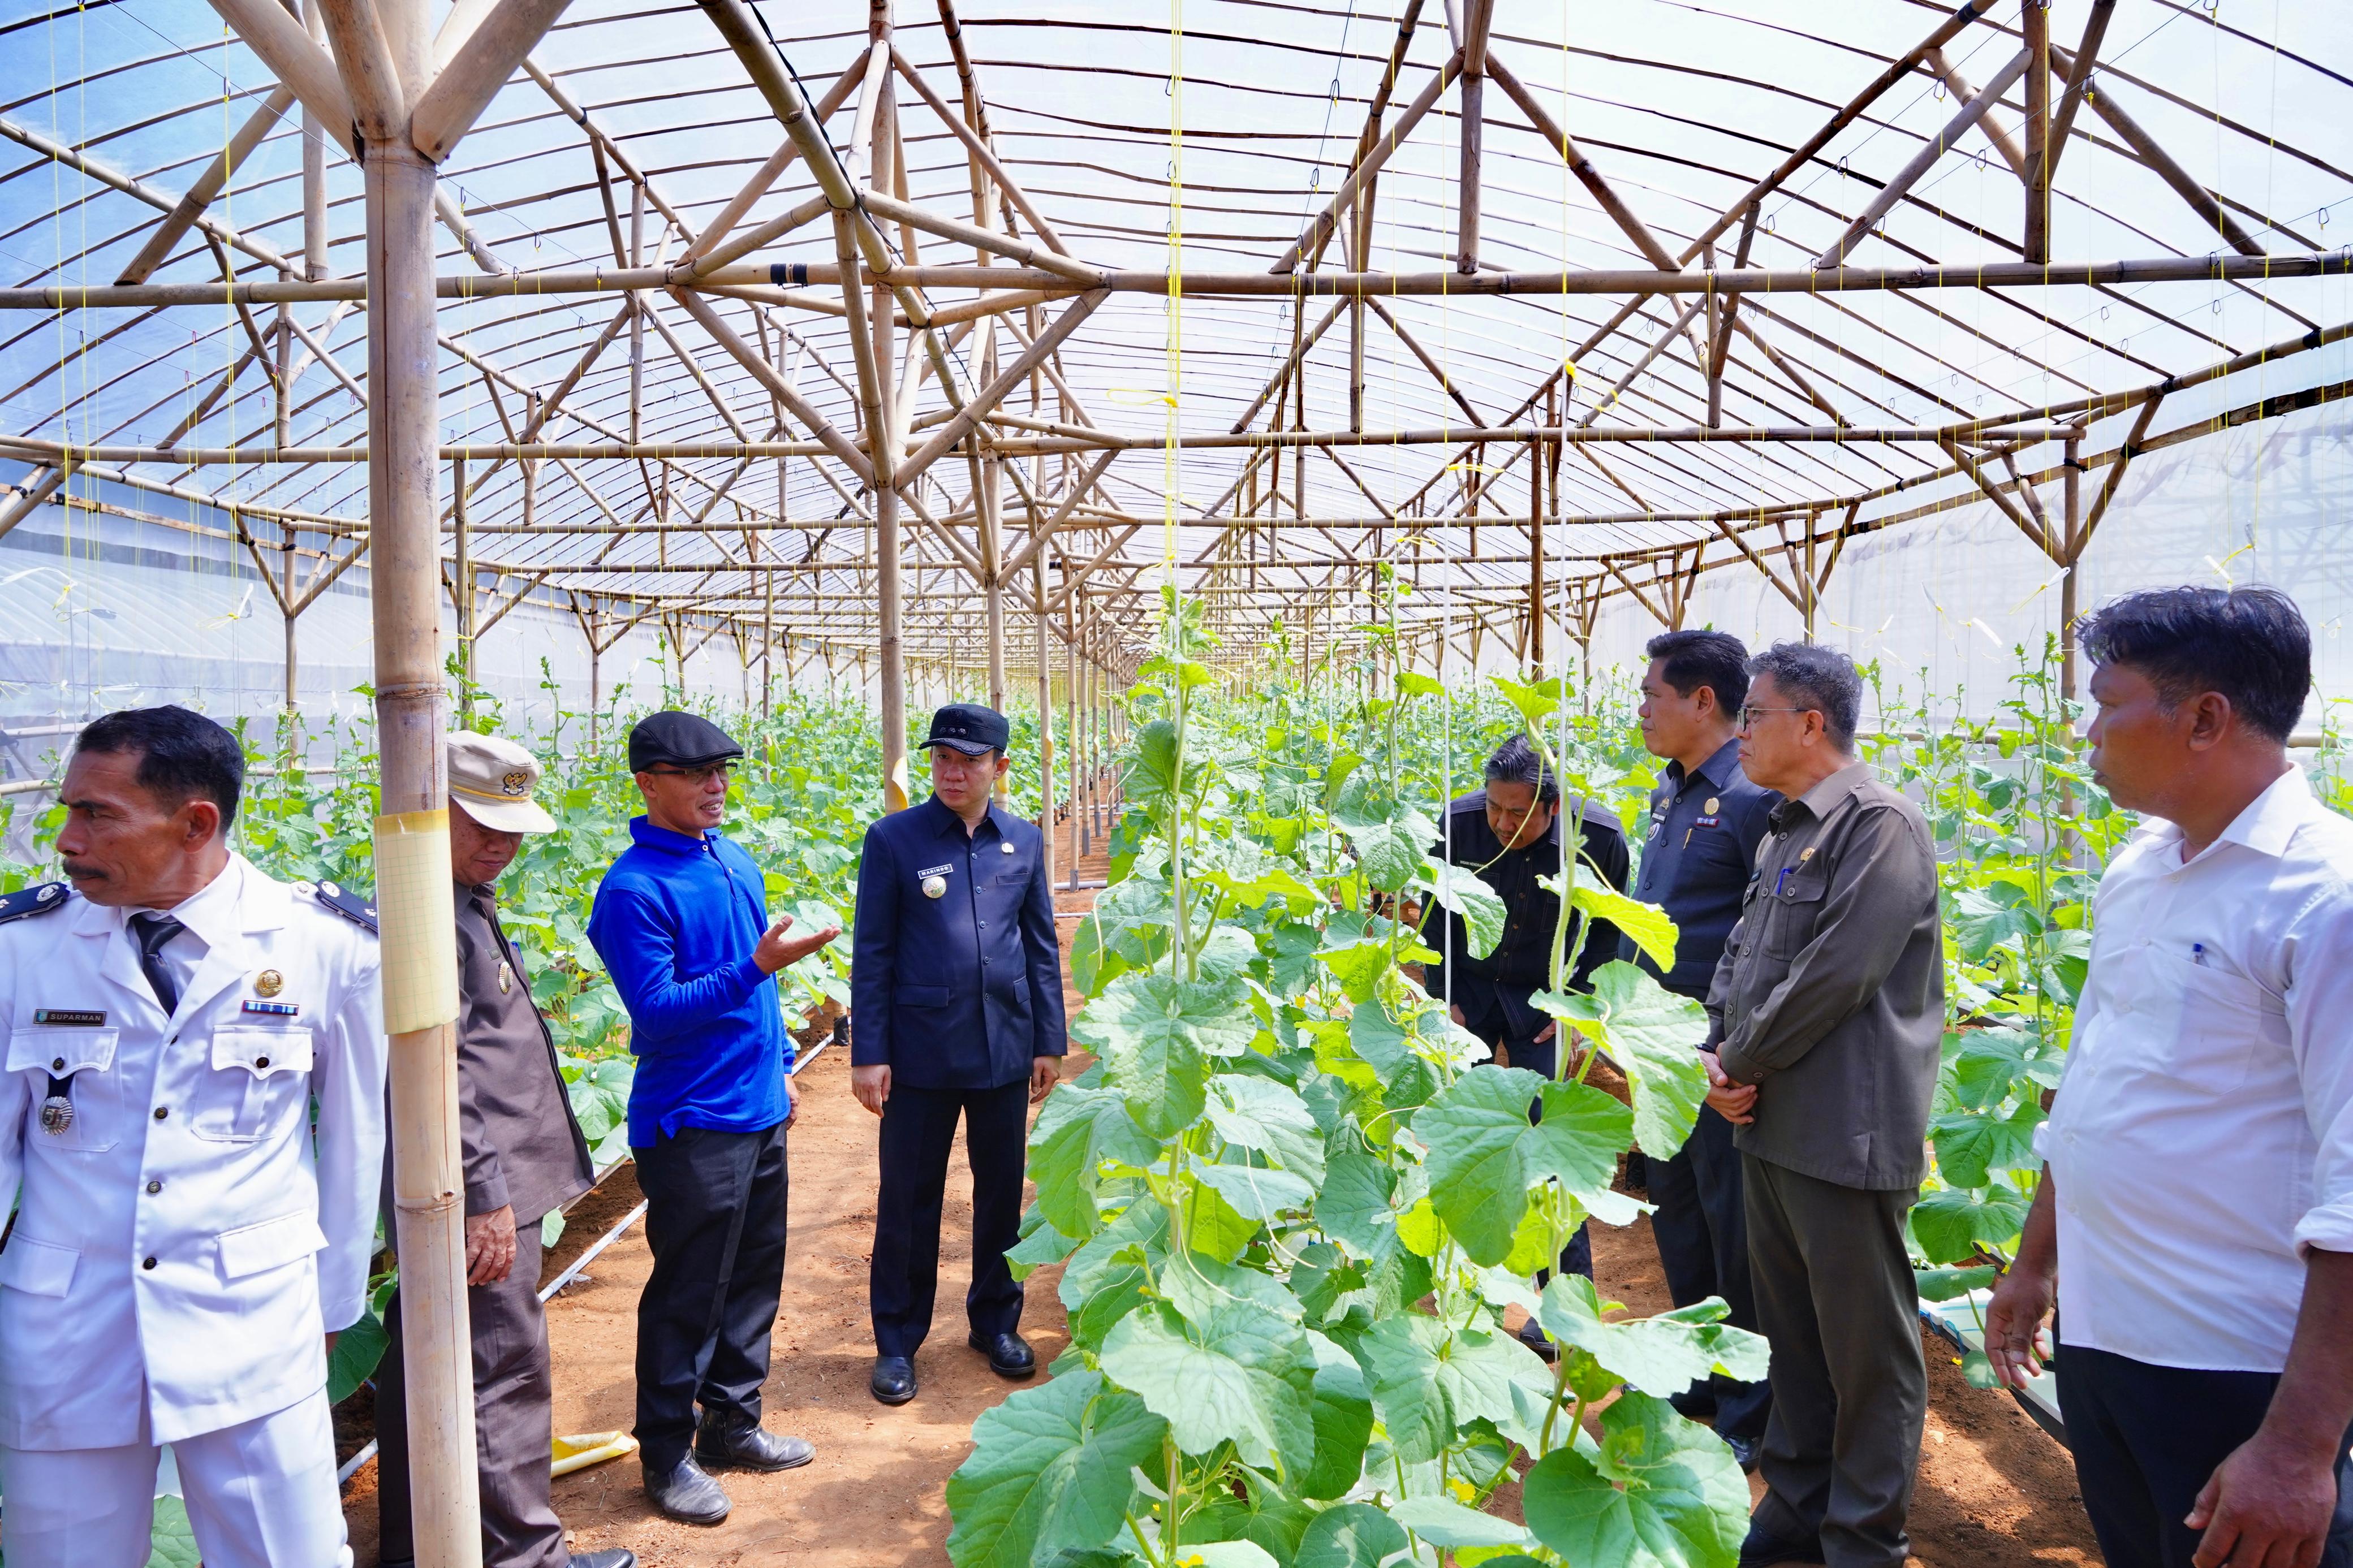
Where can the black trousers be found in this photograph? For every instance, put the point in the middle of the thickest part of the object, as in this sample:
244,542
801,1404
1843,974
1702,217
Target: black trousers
2146,1439
715,1205
1487,1019
918,1128
1836,1298
1702,1227
520,1529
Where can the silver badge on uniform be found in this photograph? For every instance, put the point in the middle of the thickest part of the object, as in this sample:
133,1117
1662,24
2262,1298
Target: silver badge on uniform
935,887
57,1114
506,977
1005,846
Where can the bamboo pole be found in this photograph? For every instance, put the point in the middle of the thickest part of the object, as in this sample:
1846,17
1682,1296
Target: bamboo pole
2220,267
1045,722
419,930
2035,23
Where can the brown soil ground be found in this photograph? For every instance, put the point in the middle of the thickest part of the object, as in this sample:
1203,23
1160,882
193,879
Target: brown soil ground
1994,1490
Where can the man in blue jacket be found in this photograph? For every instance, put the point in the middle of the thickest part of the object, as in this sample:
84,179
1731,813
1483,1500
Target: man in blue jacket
956,1008
682,923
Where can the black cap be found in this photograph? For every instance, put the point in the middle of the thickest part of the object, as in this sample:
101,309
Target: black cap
970,728
677,740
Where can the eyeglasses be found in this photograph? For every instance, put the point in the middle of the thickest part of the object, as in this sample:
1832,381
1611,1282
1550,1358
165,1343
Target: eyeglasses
722,771
1748,715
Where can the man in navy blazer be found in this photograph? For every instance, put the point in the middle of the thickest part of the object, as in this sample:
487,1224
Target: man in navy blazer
955,1007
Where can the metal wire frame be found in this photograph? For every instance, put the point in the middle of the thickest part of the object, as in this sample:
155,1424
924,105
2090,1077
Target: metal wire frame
1869,363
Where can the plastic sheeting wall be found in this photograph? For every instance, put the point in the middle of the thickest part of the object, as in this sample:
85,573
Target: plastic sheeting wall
99,612
1943,602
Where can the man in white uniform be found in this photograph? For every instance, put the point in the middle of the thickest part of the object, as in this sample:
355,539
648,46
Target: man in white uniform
2196,1207
183,1244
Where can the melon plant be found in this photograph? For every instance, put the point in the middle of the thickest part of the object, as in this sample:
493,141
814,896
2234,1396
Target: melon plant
1291,1207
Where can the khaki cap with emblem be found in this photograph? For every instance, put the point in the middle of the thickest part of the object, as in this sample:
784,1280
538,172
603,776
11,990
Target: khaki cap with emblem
491,778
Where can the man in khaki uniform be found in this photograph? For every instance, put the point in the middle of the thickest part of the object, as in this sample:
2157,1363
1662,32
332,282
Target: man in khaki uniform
1825,1017
524,1156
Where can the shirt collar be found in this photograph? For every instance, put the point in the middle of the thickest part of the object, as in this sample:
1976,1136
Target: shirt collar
211,913
1715,770
945,821
2266,824
651,835
1826,794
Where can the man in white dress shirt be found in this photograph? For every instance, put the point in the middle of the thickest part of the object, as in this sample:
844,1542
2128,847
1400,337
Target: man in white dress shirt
2195,1216
186,1239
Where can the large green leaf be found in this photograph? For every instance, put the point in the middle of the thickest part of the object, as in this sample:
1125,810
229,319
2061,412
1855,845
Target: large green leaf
1973,1146
1257,1193
1441,1522
1467,894
1155,1034
1658,1492
1078,1128
1662,1355
1654,1035
1651,929
171,1541
1484,1155
1949,1223
1537,700
1244,1377
1356,1208
358,1351
1051,1470
1343,1414
1258,1113
1353,1535
1399,1356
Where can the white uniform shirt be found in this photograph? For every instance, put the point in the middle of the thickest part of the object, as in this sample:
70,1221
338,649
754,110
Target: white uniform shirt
2202,1136
184,1244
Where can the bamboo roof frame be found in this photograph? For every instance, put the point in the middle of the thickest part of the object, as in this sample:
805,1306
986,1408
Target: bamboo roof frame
771,241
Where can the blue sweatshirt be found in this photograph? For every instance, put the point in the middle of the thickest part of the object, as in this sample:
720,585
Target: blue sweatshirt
675,921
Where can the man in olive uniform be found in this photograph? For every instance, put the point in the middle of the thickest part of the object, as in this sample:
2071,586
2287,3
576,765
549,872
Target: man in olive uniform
956,1011
524,1157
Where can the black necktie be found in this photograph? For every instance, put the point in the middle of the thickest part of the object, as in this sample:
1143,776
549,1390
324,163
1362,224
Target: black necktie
154,932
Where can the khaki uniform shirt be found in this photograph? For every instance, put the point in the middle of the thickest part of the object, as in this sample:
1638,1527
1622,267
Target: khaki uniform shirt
1831,992
524,1147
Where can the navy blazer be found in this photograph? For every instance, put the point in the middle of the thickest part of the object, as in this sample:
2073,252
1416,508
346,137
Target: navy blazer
962,990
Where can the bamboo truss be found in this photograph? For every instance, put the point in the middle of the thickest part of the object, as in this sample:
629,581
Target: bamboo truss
893,294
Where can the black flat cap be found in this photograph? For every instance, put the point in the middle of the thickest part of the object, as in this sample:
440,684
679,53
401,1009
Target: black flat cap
672,739
970,728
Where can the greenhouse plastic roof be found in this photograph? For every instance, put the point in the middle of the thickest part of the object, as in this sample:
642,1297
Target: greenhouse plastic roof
1681,108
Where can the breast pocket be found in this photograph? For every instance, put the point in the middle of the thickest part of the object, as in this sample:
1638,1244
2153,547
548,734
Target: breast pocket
260,1083
2207,1023
1794,917
84,1060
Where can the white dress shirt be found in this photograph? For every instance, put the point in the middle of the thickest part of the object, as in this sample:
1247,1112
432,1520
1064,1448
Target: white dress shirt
2202,1137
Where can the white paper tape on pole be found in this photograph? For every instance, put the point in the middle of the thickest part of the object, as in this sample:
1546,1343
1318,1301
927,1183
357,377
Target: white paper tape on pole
417,908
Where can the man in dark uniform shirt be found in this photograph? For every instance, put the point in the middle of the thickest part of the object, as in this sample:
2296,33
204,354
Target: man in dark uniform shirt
1510,833
1706,820
524,1157
956,1009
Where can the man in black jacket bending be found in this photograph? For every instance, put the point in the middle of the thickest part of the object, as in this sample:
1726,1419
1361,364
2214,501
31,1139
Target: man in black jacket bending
1510,833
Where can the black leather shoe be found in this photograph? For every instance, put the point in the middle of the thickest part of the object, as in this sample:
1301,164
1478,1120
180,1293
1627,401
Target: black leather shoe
1532,1335
613,1557
1761,1551
748,1445
893,1382
1745,1450
1008,1355
684,1493
1696,1403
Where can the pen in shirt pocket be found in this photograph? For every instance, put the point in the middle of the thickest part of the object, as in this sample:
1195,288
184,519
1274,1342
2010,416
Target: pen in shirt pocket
2198,954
